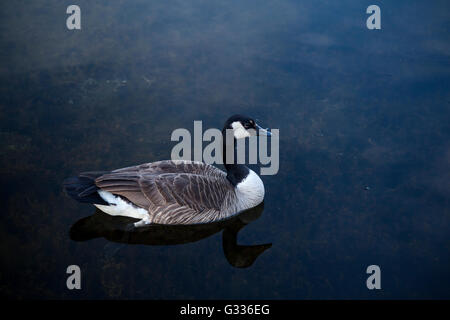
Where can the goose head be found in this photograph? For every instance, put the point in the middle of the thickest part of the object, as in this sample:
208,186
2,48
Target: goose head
243,126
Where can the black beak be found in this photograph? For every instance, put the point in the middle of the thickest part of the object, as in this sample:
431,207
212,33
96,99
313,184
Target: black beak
262,132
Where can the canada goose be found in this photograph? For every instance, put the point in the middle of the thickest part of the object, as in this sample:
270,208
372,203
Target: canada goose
175,191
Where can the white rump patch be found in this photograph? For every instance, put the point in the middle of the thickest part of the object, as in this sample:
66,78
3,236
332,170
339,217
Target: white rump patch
120,207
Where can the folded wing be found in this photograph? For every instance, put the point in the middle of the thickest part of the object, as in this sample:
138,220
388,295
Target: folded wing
173,192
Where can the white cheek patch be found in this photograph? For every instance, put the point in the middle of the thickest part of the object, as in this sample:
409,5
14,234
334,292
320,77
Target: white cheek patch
239,131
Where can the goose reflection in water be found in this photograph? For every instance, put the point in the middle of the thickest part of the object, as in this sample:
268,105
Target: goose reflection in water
119,230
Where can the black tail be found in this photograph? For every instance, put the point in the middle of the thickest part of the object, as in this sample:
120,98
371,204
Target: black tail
83,188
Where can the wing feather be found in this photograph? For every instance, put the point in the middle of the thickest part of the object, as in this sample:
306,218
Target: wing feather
173,192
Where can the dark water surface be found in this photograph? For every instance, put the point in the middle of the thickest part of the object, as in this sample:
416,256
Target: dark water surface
364,119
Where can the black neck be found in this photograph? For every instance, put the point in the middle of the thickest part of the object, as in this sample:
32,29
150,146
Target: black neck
235,172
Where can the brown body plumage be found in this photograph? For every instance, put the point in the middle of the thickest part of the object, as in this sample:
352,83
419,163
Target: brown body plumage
174,192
